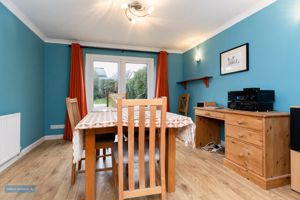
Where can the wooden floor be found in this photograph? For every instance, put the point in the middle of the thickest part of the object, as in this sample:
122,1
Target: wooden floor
199,175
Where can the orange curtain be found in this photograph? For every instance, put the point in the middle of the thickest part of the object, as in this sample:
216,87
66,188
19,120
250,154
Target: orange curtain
76,86
162,88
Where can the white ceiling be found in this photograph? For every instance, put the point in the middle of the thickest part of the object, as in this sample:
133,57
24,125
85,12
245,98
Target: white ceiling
175,24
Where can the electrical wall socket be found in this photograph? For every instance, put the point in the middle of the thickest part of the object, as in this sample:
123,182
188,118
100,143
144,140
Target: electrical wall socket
57,126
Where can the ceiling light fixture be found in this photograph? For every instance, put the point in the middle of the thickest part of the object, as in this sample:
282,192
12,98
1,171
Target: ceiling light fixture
136,10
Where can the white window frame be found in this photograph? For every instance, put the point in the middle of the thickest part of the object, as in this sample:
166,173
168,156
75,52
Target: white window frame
121,60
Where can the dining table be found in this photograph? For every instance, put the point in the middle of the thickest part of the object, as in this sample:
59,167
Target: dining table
105,121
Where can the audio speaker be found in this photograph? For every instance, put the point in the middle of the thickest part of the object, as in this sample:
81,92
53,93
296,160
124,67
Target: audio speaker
295,148
295,128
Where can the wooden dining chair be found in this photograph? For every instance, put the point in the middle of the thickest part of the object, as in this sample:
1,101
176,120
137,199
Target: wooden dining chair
103,141
142,152
183,104
111,101
112,98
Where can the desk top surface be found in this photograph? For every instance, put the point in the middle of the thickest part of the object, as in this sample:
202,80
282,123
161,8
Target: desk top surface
241,112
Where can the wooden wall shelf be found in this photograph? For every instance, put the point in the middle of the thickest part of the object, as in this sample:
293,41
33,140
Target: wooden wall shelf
205,80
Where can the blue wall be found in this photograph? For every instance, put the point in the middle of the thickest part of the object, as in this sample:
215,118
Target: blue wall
21,75
274,37
34,75
56,79
57,64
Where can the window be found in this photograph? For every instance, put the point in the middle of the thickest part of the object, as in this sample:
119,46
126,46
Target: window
136,81
117,74
105,81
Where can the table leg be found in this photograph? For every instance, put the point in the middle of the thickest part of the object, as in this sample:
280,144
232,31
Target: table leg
90,165
171,159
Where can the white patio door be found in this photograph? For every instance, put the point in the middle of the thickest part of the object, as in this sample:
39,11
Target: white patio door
117,74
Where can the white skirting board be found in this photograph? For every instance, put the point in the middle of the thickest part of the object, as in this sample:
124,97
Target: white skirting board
28,149
54,137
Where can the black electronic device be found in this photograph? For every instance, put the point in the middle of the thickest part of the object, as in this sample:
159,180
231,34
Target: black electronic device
200,104
251,99
295,128
251,106
206,104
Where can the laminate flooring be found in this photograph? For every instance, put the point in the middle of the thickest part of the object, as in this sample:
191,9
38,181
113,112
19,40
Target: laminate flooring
199,175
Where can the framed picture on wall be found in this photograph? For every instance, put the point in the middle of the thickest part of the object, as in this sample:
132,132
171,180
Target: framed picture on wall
235,60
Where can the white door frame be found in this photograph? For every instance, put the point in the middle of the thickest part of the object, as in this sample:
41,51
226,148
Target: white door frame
121,60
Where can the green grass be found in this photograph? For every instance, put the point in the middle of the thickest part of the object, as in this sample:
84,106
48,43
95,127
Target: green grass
100,101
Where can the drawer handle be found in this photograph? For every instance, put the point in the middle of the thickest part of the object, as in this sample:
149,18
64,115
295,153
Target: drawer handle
240,122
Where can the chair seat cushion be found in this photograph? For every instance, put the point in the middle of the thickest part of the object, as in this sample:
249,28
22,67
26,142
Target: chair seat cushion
108,137
136,152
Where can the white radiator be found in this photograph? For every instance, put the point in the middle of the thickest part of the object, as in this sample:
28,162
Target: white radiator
10,129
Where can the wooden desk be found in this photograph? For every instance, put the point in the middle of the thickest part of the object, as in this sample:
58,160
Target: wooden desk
256,143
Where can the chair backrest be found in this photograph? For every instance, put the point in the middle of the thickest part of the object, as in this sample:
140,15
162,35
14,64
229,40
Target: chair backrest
183,104
73,112
157,111
112,98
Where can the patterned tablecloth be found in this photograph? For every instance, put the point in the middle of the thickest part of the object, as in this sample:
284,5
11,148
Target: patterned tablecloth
108,118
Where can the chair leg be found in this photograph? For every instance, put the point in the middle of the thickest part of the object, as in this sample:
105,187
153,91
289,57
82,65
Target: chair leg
162,180
126,169
98,153
116,180
163,195
79,165
120,191
73,173
113,163
119,185
115,173
104,154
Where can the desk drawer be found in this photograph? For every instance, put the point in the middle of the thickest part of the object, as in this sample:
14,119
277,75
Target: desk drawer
244,134
247,156
210,114
255,123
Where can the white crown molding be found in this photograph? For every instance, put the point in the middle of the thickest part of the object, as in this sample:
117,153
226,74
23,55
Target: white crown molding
13,8
112,46
261,5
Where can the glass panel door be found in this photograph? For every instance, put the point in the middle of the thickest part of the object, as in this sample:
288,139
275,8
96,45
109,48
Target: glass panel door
117,74
136,80
105,81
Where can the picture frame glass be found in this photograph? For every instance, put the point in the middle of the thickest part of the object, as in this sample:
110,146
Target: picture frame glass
234,60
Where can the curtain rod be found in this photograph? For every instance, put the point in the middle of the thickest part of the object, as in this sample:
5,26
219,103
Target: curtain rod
122,50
